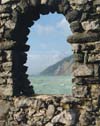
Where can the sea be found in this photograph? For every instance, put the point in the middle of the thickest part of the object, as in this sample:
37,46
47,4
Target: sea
52,84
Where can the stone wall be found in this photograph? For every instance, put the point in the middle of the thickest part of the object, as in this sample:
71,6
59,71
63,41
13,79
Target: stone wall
19,106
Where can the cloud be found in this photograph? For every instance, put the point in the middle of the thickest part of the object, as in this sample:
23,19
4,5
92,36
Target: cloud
63,24
44,29
44,45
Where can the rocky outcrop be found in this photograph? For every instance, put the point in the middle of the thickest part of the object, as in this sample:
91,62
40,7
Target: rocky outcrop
63,67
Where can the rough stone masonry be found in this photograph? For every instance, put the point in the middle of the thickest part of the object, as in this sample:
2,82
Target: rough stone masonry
19,106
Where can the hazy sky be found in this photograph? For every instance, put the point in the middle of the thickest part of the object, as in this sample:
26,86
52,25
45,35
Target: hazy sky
48,42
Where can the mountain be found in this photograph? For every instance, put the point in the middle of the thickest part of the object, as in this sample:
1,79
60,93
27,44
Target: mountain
63,67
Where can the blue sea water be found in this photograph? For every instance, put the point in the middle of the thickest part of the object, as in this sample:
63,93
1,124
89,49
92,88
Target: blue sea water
52,84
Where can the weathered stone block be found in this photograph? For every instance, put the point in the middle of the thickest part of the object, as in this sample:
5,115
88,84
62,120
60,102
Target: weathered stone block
44,1
93,57
6,74
84,37
2,123
10,24
98,122
84,16
4,108
85,118
6,90
49,124
76,26
98,10
7,66
97,46
7,45
2,80
2,29
79,91
10,81
83,70
66,117
73,15
95,90
5,1
50,111
78,1
78,4
96,70
96,2
35,2
5,8
90,25
8,55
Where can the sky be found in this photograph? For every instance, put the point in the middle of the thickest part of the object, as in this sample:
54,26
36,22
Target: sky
48,42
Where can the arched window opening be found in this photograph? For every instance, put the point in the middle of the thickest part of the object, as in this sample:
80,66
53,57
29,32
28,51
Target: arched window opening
50,58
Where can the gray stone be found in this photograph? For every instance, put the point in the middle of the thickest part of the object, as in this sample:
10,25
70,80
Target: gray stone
6,74
78,1
67,118
90,25
84,16
10,24
50,111
7,45
10,81
84,37
8,34
37,104
5,8
69,100
49,124
2,123
1,59
35,2
7,66
44,1
4,108
85,118
5,1
19,116
2,29
76,26
6,90
79,91
5,15
22,6
2,80
9,55
96,70
72,15
96,2
78,4
98,122
83,70
98,10
21,103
